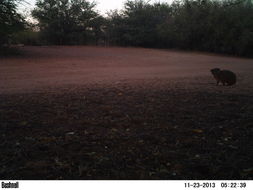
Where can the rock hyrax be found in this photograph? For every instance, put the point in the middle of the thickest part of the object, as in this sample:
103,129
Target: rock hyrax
224,76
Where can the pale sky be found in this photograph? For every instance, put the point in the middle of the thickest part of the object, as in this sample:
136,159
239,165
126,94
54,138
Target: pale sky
102,5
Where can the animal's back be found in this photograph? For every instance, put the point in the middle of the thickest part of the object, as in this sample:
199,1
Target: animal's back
227,76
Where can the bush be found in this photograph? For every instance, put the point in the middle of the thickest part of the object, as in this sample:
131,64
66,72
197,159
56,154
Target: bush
10,21
216,26
28,37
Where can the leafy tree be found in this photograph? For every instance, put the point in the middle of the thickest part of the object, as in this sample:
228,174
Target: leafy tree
143,19
213,26
65,21
137,24
98,25
10,20
208,25
116,28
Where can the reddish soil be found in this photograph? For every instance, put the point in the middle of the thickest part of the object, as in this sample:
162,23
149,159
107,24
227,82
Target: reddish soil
124,113
60,66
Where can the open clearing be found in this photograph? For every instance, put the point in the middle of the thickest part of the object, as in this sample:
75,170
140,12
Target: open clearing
124,113
58,66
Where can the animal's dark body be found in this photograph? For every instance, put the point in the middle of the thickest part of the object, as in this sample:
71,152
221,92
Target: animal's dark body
224,76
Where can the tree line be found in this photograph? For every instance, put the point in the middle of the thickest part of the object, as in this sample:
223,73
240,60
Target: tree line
222,26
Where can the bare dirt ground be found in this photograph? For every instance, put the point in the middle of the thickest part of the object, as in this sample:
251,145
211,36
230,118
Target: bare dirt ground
60,66
124,113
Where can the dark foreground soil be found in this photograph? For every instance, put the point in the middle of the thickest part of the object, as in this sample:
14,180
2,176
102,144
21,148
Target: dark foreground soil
152,130
124,113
